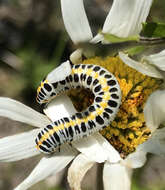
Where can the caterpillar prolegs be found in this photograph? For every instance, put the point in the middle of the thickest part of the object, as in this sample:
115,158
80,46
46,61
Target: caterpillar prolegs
107,99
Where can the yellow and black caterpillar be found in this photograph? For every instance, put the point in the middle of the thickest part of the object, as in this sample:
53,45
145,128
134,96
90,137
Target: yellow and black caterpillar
106,103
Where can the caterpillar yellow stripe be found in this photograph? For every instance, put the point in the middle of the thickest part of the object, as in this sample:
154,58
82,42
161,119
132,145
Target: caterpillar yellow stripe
107,99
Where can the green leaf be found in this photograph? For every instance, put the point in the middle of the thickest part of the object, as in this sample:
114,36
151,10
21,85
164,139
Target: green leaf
135,50
115,39
153,29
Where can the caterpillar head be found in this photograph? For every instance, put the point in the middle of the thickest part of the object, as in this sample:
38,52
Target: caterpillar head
44,141
45,92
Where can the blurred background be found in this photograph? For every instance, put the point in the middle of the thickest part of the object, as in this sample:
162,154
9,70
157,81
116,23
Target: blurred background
33,41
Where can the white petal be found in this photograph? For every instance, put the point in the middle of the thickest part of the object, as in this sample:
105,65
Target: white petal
112,155
116,176
96,148
18,147
154,110
98,38
156,143
91,148
17,111
59,73
143,68
76,56
77,171
136,159
157,59
60,107
75,20
48,166
126,17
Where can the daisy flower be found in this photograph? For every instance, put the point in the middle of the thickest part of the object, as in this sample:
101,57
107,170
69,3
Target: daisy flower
134,131
121,146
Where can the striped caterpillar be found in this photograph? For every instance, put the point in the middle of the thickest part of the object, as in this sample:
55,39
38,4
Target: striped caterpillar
107,99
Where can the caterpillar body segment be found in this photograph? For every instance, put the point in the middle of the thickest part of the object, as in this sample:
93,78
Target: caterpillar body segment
106,103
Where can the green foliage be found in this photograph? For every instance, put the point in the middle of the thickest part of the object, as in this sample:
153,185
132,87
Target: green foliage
153,29
56,188
135,186
35,67
115,39
135,50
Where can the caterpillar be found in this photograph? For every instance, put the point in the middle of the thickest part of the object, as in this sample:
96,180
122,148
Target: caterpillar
107,99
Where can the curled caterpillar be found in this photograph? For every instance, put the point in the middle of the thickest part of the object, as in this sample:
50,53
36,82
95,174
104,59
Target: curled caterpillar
107,99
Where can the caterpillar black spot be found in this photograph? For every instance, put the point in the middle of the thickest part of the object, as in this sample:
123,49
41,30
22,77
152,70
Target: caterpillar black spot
106,104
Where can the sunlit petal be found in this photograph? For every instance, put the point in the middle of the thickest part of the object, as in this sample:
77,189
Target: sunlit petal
136,159
94,147
75,20
91,148
98,38
18,147
48,166
146,69
126,17
60,107
112,155
76,56
116,176
59,73
15,110
97,149
154,110
77,171
156,143
157,59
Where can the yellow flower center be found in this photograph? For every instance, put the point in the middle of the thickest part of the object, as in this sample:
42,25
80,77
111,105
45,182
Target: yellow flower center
128,129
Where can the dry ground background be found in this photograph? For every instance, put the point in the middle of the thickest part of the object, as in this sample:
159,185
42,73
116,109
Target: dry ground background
32,42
